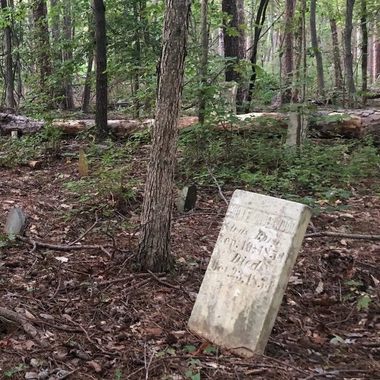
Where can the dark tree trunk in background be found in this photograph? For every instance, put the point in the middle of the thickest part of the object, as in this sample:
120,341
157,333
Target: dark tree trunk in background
42,44
259,22
377,59
137,59
231,42
154,241
57,59
87,84
234,45
68,55
363,23
8,69
287,57
203,64
315,47
101,69
86,96
336,55
348,59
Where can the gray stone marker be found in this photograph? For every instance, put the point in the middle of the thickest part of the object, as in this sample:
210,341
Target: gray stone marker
248,272
187,198
15,223
297,129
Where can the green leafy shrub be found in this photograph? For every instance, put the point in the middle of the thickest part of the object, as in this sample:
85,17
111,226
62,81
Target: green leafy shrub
261,162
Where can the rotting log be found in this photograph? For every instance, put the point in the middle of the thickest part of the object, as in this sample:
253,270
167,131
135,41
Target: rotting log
325,123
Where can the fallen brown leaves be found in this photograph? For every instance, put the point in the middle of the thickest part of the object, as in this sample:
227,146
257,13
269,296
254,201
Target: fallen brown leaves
102,320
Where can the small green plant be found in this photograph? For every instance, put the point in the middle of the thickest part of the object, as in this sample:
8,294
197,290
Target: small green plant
13,371
357,292
193,372
118,374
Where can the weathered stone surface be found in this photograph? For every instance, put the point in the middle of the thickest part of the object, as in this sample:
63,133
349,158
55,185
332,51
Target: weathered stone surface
248,272
297,129
15,223
187,198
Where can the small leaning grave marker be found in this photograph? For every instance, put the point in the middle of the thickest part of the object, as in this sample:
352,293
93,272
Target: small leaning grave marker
246,278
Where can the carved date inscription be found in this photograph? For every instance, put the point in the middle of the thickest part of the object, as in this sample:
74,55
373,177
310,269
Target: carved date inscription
250,244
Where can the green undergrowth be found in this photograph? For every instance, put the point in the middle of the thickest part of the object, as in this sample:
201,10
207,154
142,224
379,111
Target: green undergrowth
42,145
110,184
317,173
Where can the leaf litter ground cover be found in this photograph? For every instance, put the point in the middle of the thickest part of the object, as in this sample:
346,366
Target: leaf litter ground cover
95,318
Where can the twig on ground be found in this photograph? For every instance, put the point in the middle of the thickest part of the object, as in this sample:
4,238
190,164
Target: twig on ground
164,282
10,316
86,232
63,247
344,235
218,186
125,278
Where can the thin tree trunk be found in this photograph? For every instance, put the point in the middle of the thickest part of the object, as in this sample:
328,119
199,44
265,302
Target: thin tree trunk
101,69
287,60
304,52
203,64
90,62
68,55
348,61
241,92
43,51
231,42
315,47
137,60
336,55
363,22
259,22
8,70
234,45
154,242
87,83
376,59
298,36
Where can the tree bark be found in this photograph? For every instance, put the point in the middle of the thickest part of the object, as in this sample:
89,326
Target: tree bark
348,61
288,51
87,83
8,70
137,59
364,28
86,96
101,69
154,242
203,62
376,59
68,55
336,55
234,45
43,58
259,22
316,50
231,40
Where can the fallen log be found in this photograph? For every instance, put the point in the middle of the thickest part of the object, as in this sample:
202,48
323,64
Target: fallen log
326,124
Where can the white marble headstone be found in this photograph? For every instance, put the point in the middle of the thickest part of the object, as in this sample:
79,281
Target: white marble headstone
248,272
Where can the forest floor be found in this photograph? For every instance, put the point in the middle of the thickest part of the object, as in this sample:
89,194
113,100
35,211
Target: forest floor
101,320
